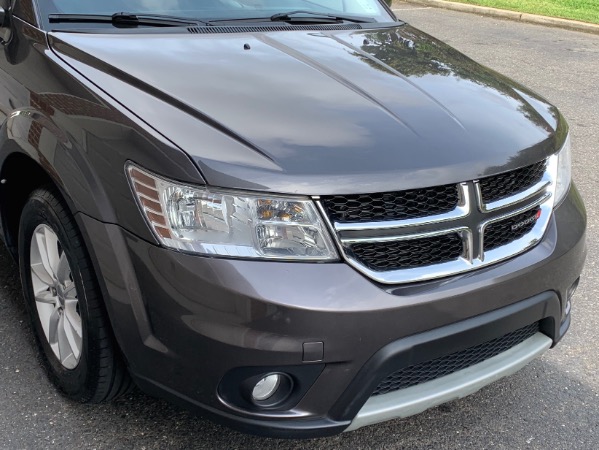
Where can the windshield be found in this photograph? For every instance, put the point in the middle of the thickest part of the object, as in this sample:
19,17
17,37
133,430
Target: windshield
218,9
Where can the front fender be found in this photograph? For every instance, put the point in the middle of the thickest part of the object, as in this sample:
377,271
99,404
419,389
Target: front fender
33,133
82,138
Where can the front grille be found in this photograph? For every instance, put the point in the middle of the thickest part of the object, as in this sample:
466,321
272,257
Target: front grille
401,205
511,183
429,233
502,233
445,365
394,255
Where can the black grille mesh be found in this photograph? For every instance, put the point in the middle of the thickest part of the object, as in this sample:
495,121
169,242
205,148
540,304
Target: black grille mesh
445,365
511,183
385,256
501,233
392,205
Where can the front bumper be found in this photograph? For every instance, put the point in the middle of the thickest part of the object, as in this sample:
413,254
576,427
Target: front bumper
186,323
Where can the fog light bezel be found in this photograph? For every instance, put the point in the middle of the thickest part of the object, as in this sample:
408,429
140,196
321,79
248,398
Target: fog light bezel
235,388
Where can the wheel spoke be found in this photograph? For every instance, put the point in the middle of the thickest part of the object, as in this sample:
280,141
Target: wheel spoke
66,347
53,325
41,274
72,318
44,312
70,291
52,250
63,271
42,251
46,297
73,336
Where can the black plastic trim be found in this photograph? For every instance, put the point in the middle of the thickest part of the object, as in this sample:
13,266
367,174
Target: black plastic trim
435,343
268,28
235,387
301,428
258,27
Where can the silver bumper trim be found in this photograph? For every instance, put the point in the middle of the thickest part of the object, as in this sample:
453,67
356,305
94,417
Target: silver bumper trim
415,399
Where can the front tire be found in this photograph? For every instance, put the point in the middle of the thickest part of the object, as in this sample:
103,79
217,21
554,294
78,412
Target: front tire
65,303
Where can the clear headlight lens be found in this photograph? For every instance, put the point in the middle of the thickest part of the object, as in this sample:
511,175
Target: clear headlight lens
217,222
564,171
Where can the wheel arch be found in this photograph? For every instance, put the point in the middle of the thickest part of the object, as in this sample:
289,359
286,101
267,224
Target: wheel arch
15,189
34,152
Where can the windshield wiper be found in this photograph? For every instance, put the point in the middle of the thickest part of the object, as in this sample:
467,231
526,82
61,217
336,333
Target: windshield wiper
292,16
125,19
299,16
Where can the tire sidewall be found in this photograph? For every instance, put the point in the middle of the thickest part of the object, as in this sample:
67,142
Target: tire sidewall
38,211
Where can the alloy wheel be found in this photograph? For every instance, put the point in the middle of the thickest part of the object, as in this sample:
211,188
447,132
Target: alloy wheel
56,296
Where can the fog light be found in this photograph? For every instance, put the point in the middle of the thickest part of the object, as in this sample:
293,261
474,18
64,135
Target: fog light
266,387
568,308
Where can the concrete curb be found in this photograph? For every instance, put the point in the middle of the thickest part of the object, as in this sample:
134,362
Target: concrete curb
510,15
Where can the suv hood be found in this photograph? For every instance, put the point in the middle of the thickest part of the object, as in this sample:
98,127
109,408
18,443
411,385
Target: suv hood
320,112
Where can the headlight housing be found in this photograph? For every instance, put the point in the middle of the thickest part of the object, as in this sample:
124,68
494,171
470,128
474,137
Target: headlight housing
564,171
208,221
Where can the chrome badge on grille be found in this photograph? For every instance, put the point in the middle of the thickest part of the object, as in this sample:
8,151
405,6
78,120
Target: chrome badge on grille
523,223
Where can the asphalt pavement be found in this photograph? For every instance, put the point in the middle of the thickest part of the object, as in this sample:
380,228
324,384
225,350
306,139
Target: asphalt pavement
553,403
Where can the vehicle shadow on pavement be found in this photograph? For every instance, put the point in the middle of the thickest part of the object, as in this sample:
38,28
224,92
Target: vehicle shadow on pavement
522,411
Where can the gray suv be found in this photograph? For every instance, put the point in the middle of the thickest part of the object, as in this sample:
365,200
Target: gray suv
295,217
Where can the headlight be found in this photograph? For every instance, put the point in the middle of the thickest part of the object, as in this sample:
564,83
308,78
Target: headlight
227,223
564,171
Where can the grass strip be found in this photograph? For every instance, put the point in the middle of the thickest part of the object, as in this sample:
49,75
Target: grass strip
583,10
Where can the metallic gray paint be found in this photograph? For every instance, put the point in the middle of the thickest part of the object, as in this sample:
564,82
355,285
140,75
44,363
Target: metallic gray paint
195,309
81,137
383,109
334,112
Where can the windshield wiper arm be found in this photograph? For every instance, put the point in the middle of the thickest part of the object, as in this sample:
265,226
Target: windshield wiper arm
290,17
125,19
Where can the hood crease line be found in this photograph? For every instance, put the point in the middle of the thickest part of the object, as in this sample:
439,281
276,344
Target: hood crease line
400,75
334,75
